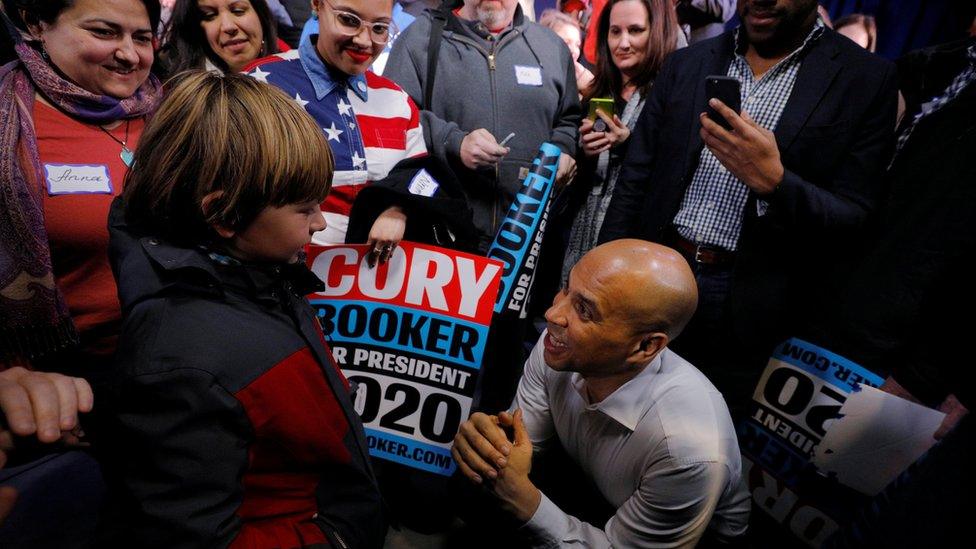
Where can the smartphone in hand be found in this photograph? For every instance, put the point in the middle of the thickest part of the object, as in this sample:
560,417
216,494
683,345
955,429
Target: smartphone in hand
727,90
604,104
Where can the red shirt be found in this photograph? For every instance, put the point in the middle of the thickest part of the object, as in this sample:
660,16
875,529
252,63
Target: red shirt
83,173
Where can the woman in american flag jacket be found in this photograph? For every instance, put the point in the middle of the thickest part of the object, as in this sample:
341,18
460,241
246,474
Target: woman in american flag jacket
369,122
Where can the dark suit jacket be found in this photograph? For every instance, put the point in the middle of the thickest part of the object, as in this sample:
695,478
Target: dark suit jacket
908,308
924,74
835,137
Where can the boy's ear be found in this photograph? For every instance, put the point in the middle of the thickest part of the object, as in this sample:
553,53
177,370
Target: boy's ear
205,205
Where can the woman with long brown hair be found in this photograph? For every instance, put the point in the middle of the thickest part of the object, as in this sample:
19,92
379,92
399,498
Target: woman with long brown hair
635,36
218,35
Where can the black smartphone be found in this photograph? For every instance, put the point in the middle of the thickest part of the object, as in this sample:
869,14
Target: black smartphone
727,90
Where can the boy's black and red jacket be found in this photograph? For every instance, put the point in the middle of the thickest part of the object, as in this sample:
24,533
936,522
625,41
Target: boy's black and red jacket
227,423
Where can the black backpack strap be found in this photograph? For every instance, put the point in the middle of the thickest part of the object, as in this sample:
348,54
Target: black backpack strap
433,49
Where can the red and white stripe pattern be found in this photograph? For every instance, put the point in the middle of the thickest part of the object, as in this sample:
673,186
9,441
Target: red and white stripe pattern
367,137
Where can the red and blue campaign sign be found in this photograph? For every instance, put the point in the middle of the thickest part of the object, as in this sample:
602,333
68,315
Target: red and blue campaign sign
796,401
411,335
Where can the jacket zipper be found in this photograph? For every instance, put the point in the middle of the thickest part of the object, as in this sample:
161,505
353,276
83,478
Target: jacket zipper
494,129
490,56
335,538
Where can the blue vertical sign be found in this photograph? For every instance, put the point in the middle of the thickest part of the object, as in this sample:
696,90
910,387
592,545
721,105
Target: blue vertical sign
519,239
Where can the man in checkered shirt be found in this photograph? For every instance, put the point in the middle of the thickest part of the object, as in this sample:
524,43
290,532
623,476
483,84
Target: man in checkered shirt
766,213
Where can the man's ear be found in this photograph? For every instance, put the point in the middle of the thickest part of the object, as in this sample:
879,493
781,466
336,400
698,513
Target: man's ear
205,205
650,345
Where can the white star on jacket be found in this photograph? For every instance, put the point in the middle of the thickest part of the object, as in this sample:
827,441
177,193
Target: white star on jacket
301,102
357,160
345,108
333,133
260,75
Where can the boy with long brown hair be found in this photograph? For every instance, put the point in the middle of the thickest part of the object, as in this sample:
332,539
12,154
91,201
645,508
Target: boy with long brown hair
228,423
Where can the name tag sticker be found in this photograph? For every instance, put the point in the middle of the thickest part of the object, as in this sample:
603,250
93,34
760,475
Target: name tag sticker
528,76
77,179
423,184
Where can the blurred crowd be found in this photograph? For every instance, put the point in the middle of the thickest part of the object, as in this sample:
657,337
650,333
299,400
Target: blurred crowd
730,174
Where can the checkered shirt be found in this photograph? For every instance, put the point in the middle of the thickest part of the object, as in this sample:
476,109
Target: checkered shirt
711,210
958,84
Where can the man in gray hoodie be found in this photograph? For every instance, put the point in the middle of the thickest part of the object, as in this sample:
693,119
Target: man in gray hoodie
497,73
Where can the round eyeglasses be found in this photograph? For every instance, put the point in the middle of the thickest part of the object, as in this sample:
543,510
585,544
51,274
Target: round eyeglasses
350,24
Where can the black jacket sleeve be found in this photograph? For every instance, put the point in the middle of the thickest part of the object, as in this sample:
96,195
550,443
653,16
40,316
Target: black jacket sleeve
853,191
177,452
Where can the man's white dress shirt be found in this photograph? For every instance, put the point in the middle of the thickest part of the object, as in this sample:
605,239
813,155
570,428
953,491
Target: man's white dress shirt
661,449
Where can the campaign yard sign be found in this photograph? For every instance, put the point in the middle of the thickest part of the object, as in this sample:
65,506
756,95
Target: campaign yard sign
519,240
797,399
410,334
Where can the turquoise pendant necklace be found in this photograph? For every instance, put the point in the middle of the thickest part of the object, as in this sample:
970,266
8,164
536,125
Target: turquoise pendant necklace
125,154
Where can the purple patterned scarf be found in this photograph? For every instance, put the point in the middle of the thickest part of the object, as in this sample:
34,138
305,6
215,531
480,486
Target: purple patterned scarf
34,317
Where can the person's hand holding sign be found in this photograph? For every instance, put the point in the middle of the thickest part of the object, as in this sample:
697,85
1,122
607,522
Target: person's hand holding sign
386,232
566,170
749,151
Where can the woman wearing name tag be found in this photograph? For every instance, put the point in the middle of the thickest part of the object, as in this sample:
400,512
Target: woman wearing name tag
218,35
634,37
370,123
72,106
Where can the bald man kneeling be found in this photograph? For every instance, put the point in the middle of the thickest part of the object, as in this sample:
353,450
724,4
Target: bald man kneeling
647,427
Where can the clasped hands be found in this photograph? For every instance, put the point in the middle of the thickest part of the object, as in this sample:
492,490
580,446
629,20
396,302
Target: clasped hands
485,455
749,151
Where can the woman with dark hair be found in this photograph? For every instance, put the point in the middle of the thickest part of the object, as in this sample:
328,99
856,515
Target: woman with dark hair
634,37
218,35
73,100
72,108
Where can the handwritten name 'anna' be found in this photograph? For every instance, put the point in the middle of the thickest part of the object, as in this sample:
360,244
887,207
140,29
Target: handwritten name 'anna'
67,176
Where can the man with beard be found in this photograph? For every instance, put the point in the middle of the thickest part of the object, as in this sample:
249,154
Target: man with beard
765,213
496,73
646,428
